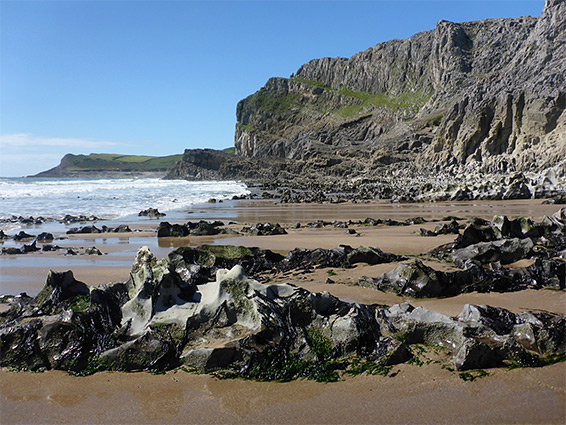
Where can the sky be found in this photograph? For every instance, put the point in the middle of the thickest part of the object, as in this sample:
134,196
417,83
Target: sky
158,77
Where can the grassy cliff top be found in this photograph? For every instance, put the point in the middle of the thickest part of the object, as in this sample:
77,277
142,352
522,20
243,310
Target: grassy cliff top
103,162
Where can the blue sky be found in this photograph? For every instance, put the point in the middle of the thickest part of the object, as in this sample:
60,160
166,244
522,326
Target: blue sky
156,77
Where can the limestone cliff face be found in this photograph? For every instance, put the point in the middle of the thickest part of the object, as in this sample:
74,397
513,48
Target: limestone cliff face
488,94
515,118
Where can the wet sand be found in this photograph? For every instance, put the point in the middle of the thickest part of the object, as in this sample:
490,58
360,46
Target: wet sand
427,394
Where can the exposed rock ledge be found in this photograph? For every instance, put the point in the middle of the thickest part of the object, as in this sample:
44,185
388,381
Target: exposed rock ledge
161,319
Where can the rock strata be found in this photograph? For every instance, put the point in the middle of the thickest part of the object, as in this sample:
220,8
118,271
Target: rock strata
466,111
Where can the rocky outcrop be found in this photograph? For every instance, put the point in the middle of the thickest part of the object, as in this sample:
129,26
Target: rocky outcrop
490,244
466,111
200,228
486,95
161,319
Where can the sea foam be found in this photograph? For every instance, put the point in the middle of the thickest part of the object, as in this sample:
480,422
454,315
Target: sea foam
106,198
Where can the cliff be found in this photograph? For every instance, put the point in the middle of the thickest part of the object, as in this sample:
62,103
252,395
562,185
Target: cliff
486,96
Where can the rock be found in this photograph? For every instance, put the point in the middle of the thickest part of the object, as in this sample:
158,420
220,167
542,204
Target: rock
147,352
122,228
265,229
11,251
45,237
370,256
85,229
476,231
474,354
415,279
171,230
93,251
427,233
30,248
49,247
159,320
505,251
452,228
22,236
60,286
201,228
152,213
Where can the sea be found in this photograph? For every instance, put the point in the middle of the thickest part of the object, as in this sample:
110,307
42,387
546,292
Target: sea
107,199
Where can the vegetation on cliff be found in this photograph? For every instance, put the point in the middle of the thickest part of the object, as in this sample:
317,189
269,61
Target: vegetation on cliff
77,165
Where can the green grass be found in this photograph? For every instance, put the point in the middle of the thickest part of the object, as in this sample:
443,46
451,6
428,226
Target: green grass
314,83
405,101
94,162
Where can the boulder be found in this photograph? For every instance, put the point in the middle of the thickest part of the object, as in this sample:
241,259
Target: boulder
505,251
414,279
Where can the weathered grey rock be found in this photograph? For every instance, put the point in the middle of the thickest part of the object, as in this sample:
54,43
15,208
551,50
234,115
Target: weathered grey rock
159,320
414,279
505,251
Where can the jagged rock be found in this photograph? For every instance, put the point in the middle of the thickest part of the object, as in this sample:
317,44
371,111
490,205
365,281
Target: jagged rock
414,279
93,251
199,265
505,251
32,247
427,233
158,320
85,229
265,229
68,219
59,287
147,352
122,228
370,256
201,228
22,236
166,229
474,354
477,230
151,212
447,229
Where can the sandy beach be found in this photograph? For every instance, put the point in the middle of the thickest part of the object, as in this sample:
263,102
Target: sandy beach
427,394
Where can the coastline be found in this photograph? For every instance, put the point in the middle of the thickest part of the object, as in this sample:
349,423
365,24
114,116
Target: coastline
424,394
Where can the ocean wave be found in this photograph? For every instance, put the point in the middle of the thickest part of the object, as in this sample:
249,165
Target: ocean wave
106,198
